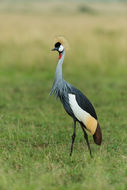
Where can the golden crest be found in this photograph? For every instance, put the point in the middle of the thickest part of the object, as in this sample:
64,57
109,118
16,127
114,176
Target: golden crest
62,40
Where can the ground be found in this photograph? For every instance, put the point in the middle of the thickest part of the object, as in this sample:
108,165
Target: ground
35,131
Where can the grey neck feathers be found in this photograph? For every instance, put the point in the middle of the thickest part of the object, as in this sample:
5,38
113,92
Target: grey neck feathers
59,75
59,84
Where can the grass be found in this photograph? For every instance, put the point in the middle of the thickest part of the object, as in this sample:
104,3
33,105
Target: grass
35,131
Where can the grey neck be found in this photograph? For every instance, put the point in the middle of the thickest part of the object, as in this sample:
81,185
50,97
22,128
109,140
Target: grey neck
58,74
58,81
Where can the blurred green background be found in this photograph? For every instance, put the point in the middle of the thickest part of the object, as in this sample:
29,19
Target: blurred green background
35,131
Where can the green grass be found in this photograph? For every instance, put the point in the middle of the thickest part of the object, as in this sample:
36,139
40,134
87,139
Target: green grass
35,131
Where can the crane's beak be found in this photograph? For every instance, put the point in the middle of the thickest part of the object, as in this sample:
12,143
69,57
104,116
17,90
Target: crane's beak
54,49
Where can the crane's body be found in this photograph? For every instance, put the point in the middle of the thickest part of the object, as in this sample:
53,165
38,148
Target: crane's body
75,103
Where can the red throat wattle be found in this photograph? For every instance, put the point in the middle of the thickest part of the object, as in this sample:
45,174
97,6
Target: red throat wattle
60,55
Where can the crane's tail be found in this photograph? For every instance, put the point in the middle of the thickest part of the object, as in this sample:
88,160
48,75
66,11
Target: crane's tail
98,135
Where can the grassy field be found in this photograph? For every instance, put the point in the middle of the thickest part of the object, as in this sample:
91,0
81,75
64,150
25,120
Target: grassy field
35,131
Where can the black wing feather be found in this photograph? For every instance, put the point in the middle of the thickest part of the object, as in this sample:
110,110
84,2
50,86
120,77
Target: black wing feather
83,102
81,99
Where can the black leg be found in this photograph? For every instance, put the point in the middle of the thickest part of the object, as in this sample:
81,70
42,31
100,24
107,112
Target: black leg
73,137
86,138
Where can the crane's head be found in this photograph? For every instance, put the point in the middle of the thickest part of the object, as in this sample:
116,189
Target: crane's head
58,47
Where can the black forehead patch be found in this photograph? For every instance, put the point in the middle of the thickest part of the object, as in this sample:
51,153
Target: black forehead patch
57,44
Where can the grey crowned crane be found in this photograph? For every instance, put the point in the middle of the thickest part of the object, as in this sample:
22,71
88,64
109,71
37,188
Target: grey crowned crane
75,103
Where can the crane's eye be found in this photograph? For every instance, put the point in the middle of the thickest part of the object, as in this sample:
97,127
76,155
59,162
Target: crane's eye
61,48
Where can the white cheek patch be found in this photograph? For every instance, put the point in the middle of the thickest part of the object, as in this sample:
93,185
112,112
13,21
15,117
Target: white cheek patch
61,48
83,116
